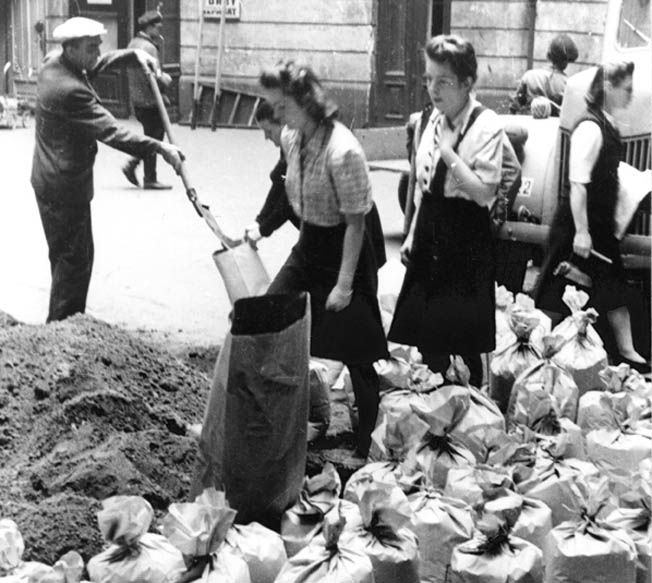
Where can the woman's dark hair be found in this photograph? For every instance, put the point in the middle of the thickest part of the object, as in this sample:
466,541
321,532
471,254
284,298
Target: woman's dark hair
562,50
300,83
615,73
457,52
265,112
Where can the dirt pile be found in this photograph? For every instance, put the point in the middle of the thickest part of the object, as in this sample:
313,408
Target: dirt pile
89,410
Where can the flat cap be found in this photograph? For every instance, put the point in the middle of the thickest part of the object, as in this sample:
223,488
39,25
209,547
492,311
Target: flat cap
150,17
78,27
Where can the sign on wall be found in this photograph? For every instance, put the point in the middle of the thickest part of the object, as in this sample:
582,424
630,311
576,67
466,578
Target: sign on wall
213,9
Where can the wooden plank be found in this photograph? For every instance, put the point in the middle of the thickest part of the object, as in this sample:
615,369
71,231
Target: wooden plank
244,63
252,117
296,37
309,11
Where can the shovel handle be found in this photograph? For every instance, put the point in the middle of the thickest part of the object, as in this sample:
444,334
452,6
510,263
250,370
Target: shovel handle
202,210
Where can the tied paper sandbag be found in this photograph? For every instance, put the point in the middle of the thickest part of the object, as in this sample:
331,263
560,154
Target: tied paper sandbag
328,559
495,556
199,529
318,497
549,427
440,523
394,471
261,548
384,536
134,554
627,441
439,450
531,519
514,358
481,415
473,485
403,381
634,515
618,381
258,405
553,478
549,377
584,548
506,305
583,354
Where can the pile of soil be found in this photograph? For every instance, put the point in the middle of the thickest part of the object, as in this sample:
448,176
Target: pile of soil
87,411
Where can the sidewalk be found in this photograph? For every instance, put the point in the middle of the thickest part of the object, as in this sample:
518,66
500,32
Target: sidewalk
153,267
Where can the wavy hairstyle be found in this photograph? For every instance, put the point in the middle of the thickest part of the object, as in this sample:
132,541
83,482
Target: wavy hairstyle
300,82
615,73
457,52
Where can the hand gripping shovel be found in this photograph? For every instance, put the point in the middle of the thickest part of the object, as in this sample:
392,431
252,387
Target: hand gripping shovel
238,262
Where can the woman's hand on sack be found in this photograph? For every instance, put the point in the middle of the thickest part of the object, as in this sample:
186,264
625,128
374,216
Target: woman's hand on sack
252,234
338,299
582,244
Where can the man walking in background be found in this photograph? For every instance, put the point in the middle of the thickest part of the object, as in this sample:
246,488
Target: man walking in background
150,26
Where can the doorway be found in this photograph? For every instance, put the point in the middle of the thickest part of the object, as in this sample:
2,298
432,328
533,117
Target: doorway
403,28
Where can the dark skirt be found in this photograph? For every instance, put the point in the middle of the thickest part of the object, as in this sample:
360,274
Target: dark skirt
447,301
355,334
609,290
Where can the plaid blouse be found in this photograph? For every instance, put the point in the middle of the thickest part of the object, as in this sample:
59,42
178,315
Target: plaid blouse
328,177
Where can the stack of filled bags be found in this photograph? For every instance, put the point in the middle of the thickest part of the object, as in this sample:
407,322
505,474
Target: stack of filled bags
68,569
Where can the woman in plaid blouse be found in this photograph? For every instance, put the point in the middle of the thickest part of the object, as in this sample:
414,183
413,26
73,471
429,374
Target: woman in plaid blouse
340,244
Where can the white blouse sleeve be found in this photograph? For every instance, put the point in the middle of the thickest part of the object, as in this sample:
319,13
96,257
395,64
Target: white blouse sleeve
585,146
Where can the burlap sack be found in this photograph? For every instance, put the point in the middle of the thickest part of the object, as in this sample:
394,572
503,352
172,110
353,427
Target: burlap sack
440,523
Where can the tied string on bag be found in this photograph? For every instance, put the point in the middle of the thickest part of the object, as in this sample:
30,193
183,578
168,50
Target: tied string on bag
333,527
123,520
441,422
545,417
319,494
592,497
495,536
385,510
552,344
625,416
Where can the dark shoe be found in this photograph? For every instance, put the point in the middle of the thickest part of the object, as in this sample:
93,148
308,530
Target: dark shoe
642,367
156,186
130,174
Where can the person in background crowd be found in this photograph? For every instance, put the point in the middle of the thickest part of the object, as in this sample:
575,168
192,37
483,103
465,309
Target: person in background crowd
150,26
584,222
339,249
276,209
548,84
446,305
69,121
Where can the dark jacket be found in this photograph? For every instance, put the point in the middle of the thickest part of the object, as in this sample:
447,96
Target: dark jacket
139,90
69,120
276,209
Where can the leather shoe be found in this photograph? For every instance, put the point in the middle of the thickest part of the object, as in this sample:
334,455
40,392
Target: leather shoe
156,186
130,174
642,367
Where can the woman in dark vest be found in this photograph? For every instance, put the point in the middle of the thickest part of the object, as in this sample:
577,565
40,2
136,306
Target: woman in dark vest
446,304
584,223
340,244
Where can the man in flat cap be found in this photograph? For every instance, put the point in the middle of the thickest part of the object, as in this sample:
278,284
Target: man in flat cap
70,119
150,26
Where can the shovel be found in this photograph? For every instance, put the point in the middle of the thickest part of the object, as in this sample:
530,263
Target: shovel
238,262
